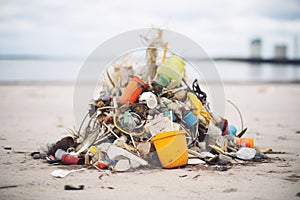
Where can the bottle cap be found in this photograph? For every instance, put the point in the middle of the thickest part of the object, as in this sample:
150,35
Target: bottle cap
93,150
162,80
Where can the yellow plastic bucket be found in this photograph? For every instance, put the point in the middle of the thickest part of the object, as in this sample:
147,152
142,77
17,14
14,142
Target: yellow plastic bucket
171,148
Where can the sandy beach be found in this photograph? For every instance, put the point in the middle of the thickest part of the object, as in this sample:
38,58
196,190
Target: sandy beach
33,115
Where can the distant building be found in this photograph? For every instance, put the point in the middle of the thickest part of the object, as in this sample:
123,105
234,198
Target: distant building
296,47
280,51
255,48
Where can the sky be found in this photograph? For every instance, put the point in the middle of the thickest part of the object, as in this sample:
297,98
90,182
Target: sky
76,28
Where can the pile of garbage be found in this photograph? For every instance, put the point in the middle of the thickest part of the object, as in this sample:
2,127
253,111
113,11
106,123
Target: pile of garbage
151,118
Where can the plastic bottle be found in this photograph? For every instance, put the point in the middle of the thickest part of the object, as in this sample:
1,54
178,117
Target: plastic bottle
245,142
133,90
173,68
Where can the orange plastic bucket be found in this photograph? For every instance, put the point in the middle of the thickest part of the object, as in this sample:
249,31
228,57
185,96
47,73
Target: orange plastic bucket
133,90
171,148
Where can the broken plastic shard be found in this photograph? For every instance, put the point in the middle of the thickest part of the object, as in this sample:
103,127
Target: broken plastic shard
130,121
260,156
174,107
113,151
144,147
213,129
195,161
161,124
231,140
122,166
104,147
213,132
201,155
224,160
134,164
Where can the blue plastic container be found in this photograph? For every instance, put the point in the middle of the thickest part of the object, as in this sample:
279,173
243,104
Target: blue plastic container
190,119
231,130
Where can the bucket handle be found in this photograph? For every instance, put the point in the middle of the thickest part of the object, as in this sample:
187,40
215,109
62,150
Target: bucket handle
179,133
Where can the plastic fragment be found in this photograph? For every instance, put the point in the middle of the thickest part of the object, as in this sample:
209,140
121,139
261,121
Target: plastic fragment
224,160
60,173
113,151
195,161
72,187
122,166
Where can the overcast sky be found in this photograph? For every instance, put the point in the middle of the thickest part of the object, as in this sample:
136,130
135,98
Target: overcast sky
75,28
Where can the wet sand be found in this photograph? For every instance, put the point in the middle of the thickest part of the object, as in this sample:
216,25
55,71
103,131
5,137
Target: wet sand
33,115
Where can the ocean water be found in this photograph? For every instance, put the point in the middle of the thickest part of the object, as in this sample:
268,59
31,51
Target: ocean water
67,71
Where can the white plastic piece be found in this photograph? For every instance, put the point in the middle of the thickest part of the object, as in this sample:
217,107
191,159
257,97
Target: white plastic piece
246,153
150,99
122,165
195,161
134,164
60,173
113,151
161,124
59,154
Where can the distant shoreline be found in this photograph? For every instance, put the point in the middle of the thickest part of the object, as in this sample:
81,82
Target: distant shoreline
37,57
232,59
69,83
260,60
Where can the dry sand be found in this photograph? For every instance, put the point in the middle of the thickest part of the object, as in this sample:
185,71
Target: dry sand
33,115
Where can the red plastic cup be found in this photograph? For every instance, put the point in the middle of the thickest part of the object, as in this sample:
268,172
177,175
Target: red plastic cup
68,159
102,164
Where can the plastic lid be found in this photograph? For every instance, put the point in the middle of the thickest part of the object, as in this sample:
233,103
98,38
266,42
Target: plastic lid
162,80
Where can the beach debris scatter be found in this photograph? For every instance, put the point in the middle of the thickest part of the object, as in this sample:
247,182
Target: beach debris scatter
151,115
